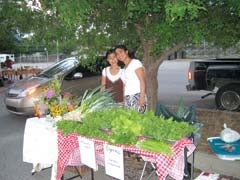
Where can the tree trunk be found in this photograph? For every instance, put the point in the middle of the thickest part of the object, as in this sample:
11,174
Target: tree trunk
152,64
151,69
152,86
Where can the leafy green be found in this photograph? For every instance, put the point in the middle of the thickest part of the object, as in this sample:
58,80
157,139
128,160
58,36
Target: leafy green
160,129
125,125
155,146
127,138
67,127
95,99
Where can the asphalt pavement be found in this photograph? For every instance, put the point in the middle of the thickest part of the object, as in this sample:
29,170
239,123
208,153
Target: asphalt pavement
203,161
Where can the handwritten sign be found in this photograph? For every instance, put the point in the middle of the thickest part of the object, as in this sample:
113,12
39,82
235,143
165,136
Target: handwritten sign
114,166
87,152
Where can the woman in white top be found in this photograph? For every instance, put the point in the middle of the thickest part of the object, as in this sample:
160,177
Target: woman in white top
111,76
134,80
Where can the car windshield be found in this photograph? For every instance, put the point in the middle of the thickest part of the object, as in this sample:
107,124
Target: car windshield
59,68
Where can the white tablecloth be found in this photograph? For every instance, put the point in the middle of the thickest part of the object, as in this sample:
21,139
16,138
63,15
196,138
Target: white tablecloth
40,143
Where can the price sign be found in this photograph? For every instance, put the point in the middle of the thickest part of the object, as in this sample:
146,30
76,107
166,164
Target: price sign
87,152
114,166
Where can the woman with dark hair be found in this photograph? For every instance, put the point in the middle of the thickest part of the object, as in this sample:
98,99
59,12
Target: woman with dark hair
134,80
111,76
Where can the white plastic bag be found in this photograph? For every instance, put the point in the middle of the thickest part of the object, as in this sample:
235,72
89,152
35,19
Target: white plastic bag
228,135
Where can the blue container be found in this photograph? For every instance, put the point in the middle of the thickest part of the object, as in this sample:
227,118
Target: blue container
225,151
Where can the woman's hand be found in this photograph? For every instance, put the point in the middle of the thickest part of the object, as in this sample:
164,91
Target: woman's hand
142,100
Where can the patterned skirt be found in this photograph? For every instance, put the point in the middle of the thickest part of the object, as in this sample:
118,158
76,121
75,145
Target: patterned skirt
132,102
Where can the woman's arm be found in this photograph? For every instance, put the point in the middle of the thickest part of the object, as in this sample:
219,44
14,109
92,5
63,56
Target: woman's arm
141,76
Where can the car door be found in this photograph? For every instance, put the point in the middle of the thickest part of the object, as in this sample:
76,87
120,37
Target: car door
77,85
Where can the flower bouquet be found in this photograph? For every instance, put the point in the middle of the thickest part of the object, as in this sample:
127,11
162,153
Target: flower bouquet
52,102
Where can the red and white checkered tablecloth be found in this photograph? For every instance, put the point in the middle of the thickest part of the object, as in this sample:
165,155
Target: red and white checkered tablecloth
68,154
67,145
167,165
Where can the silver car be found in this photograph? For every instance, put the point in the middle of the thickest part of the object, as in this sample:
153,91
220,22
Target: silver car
20,97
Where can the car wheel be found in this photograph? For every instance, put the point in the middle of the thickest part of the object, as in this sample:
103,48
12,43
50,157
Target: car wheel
228,98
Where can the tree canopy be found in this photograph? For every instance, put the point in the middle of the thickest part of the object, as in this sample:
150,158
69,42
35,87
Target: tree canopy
153,29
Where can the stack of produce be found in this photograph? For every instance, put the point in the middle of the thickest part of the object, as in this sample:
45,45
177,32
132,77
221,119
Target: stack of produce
91,101
119,125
